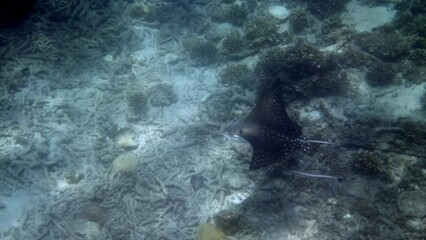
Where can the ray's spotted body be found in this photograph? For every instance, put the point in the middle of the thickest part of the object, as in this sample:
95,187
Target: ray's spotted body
271,133
269,130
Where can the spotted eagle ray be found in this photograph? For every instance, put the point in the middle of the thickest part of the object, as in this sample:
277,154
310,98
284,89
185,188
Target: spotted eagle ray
272,134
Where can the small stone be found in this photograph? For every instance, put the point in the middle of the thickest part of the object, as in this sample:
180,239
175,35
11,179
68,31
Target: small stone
197,182
88,229
415,224
109,58
127,142
412,203
170,58
207,231
238,181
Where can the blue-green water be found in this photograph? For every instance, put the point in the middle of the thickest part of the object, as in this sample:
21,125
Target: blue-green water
113,115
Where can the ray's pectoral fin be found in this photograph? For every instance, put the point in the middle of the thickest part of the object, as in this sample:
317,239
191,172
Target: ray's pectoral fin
271,112
261,158
266,156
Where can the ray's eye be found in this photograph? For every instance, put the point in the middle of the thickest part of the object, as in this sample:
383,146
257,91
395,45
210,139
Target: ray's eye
239,131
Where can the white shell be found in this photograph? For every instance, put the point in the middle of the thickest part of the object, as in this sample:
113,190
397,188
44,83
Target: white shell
127,139
125,162
279,12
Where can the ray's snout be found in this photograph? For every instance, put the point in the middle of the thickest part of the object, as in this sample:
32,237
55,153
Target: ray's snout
233,132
